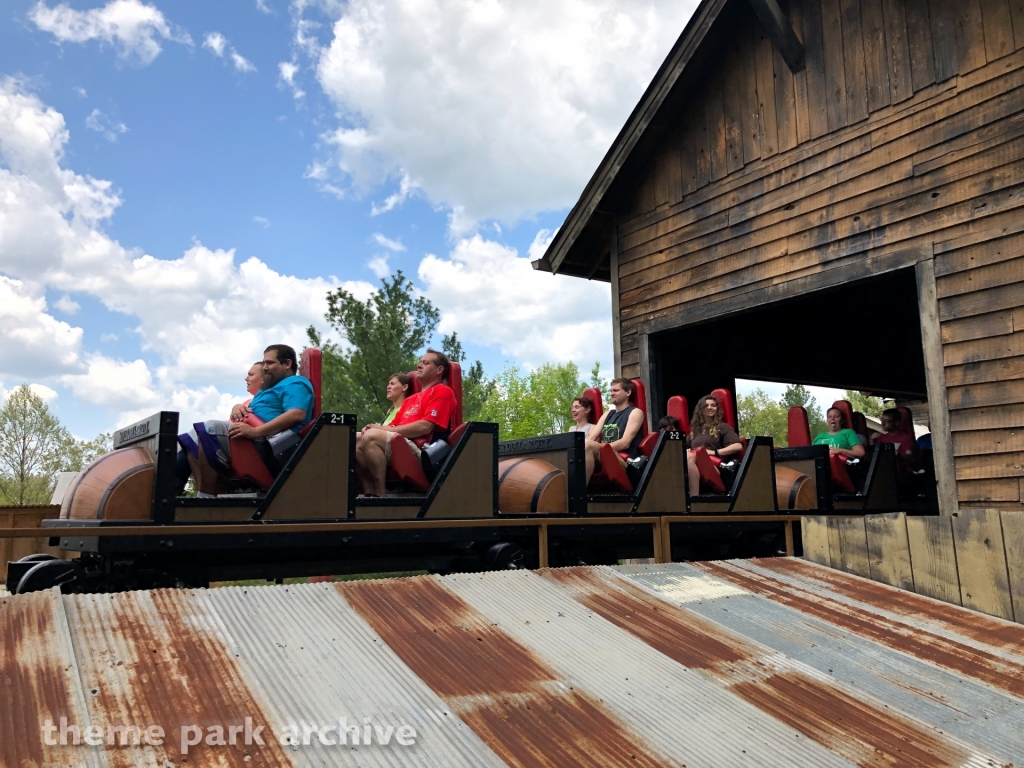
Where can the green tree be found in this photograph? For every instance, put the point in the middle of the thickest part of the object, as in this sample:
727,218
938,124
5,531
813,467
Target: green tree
596,381
761,415
798,394
527,405
34,447
380,336
83,452
476,388
866,404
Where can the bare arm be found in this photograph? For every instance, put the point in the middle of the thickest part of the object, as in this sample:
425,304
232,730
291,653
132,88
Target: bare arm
411,431
596,433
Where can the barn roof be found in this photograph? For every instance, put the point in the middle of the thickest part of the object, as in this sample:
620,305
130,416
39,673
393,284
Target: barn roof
580,247
770,662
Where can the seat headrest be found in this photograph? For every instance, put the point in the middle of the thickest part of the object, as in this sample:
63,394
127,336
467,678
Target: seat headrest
638,399
414,383
311,365
594,395
860,424
678,409
724,397
798,431
847,409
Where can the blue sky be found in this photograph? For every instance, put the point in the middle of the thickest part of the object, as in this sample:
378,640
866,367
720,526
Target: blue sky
182,183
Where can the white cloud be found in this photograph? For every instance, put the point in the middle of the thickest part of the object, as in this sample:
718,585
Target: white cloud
67,305
501,108
43,392
387,242
80,92
286,71
261,221
379,265
264,7
33,343
200,319
219,46
129,25
491,295
405,187
103,125
106,338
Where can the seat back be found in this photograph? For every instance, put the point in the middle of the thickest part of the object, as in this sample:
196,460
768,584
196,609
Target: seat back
594,395
860,424
455,382
724,397
798,430
414,382
679,410
311,365
847,409
639,400
906,421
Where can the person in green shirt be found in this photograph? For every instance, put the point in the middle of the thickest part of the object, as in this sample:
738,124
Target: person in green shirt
839,438
398,389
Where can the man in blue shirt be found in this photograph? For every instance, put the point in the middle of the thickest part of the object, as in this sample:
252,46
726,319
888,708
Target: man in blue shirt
284,403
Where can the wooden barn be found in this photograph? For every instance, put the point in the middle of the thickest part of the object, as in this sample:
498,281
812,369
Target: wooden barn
828,192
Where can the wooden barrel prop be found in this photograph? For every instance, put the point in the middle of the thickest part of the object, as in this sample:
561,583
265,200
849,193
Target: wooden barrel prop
794,489
530,485
116,486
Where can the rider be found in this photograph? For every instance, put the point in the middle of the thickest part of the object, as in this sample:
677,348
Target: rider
423,418
619,427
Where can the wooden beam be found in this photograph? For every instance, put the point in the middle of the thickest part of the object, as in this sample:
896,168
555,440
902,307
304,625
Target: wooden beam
777,25
613,267
935,381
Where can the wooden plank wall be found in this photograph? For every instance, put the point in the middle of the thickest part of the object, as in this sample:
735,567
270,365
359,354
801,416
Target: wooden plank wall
974,558
25,517
905,131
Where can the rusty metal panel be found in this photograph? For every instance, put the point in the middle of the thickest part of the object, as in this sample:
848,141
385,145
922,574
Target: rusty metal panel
767,662
39,682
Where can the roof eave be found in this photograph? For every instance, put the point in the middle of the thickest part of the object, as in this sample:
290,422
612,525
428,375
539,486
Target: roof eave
661,85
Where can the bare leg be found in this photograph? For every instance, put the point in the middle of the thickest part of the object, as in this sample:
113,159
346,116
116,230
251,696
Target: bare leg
592,459
693,474
205,476
370,457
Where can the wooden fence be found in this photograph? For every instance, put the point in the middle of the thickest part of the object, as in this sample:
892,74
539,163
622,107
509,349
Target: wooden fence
25,517
974,558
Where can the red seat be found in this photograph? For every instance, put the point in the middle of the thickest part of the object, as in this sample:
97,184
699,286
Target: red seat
593,394
840,477
798,430
707,468
678,409
405,467
728,406
246,463
647,444
860,424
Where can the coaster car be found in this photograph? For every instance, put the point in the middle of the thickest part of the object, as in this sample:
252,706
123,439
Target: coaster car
553,480
134,485
830,482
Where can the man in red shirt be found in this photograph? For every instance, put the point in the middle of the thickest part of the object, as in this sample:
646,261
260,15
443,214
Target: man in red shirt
423,418
891,433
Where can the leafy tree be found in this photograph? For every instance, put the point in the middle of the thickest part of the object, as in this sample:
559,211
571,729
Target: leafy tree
526,405
596,381
476,388
34,447
798,394
83,452
761,415
380,336
866,404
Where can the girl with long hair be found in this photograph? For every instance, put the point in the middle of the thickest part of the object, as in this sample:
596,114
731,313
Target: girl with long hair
709,431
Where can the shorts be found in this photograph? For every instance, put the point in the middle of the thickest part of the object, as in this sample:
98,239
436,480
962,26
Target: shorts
387,446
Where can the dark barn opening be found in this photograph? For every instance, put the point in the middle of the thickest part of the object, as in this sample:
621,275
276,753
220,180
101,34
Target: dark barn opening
865,335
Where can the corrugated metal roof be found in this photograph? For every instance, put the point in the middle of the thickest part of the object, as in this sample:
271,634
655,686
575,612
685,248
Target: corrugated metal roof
764,662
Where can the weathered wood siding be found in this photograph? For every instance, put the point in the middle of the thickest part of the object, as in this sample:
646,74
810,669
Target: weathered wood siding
904,134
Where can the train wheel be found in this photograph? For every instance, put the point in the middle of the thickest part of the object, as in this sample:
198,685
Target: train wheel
505,556
47,574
